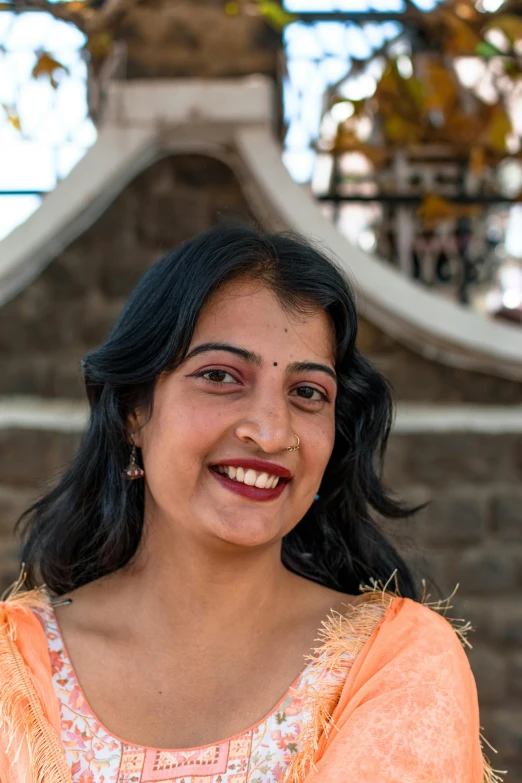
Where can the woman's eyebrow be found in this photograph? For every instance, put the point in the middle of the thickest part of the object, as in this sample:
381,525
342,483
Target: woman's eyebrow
248,356
311,367
255,358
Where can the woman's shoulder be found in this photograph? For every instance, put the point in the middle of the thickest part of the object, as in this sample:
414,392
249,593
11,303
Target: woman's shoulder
415,640
427,624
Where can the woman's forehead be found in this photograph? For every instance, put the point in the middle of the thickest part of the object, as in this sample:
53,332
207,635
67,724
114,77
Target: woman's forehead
250,308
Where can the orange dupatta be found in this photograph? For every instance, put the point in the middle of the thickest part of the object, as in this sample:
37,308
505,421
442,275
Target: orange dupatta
406,710
30,747
403,710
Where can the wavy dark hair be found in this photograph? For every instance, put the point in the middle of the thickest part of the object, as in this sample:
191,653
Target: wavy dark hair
91,523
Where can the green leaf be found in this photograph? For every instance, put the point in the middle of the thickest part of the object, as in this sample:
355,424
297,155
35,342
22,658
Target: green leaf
487,50
275,14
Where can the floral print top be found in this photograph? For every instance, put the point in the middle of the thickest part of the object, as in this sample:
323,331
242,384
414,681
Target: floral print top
258,755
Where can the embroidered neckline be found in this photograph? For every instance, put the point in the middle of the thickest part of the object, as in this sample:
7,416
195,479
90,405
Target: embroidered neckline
46,611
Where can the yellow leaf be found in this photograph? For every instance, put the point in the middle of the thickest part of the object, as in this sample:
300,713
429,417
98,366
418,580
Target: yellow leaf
99,45
461,38
435,209
441,88
12,117
47,66
402,131
477,160
498,129
347,142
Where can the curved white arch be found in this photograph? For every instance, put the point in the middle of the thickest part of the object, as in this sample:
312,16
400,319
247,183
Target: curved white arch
146,120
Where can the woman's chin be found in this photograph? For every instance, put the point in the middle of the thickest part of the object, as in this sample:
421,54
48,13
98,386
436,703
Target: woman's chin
249,534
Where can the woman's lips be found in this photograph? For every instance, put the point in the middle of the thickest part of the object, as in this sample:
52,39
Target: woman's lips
254,493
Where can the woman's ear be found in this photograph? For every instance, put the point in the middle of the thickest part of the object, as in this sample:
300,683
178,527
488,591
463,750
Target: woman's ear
134,428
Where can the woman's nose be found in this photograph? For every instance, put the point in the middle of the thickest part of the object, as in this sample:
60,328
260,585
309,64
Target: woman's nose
268,426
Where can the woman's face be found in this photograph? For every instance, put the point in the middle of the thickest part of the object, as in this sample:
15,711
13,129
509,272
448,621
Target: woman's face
272,378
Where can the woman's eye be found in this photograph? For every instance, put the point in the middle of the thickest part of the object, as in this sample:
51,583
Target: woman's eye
217,376
311,394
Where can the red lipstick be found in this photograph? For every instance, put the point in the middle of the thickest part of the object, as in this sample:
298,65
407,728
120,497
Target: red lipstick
261,465
253,493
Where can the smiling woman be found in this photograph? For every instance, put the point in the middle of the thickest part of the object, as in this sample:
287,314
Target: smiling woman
218,512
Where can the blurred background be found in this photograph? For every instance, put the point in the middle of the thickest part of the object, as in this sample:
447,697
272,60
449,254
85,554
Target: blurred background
391,130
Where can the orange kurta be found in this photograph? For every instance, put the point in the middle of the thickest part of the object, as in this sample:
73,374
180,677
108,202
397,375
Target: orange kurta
403,707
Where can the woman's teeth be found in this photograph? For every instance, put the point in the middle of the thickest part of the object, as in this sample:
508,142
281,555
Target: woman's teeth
251,477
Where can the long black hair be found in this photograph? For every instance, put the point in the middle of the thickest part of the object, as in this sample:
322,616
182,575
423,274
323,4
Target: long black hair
91,523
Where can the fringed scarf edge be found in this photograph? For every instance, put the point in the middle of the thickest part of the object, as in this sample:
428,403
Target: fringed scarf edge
22,718
342,637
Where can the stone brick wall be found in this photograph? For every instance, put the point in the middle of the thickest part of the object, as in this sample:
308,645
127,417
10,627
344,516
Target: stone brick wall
196,38
414,378
471,531
471,534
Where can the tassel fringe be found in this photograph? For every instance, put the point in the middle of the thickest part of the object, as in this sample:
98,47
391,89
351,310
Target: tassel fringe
341,638
22,718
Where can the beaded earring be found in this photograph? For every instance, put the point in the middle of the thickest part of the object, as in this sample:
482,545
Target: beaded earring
133,470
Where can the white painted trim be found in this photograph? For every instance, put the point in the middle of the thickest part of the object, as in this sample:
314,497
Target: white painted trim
78,201
140,103
487,420
70,416
37,413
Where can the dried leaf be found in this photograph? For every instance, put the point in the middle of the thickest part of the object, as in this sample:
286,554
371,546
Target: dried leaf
12,117
76,6
498,129
435,209
460,37
47,66
441,87
477,160
347,143
401,131
99,45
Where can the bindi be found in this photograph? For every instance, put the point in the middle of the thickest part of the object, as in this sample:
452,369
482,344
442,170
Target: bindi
275,364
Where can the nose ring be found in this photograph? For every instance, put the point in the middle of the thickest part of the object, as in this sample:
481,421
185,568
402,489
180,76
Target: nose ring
294,448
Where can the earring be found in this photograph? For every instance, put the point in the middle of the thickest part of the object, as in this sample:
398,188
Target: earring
316,497
133,470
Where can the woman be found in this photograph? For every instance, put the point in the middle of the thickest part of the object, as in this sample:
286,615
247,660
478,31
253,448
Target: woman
217,514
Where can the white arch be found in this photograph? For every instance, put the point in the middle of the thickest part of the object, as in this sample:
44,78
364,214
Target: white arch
148,119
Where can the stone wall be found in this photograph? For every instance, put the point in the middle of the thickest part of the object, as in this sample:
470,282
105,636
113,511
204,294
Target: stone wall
197,39
414,378
471,532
